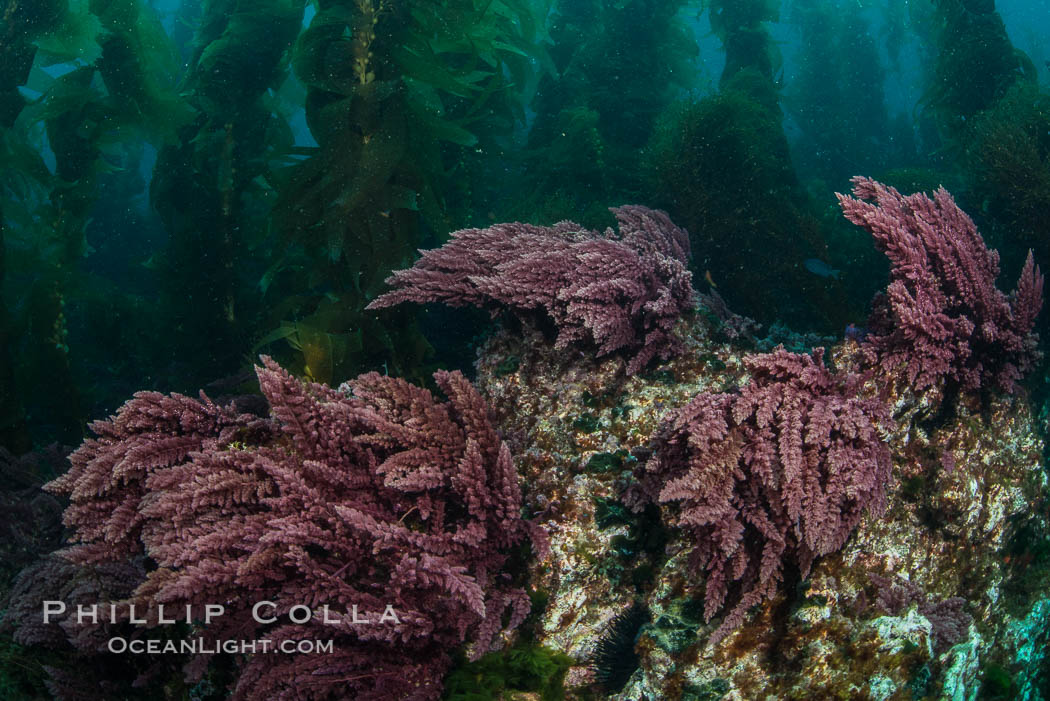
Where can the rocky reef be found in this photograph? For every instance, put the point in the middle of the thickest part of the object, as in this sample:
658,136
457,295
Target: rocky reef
712,513
943,595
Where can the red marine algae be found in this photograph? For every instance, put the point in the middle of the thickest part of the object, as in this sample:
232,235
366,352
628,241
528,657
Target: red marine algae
387,499
782,469
942,317
618,292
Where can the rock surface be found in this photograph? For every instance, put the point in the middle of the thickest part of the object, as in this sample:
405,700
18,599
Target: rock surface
946,595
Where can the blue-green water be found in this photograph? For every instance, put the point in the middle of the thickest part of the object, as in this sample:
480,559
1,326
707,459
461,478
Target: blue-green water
188,184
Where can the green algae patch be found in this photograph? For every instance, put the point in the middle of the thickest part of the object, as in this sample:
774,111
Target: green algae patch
525,667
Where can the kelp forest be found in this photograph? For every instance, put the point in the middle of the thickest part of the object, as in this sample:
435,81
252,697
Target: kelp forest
187,186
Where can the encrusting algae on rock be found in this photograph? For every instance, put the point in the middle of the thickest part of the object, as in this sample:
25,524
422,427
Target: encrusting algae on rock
711,514
943,533
911,598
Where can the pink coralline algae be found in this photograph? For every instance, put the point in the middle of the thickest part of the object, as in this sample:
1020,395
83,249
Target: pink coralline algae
621,292
780,470
942,316
387,497
949,622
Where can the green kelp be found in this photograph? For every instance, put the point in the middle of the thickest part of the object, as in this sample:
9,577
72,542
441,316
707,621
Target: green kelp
401,97
25,180
1008,167
837,95
98,81
721,167
741,26
616,67
725,175
976,63
138,66
186,184
24,26
213,188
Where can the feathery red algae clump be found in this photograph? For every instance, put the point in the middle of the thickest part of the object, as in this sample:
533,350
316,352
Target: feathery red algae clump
388,497
618,292
942,317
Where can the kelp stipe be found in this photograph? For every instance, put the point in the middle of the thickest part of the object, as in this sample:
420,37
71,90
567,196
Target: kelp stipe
398,96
